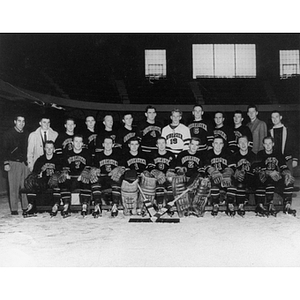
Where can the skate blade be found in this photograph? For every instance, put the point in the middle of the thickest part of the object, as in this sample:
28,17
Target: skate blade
168,220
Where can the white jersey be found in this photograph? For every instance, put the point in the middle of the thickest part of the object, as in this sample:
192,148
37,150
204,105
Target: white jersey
177,139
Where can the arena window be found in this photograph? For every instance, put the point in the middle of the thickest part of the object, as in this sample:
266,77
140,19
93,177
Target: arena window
155,64
224,61
289,63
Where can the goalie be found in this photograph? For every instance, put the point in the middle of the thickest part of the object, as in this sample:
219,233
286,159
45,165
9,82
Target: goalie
219,166
44,175
271,173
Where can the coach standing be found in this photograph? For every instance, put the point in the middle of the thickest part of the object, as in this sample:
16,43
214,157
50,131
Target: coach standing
15,156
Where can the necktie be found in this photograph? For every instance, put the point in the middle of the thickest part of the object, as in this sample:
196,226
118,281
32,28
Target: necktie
45,136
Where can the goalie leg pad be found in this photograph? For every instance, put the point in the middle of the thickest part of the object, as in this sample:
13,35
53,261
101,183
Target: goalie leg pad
148,186
178,187
129,195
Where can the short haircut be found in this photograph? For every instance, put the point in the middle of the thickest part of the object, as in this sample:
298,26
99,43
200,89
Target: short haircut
219,137
49,142
70,119
77,135
110,138
161,138
252,106
133,139
268,137
276,111
219,112
176,110
44,117
238,111
90,116
241,137
108,115
16,116
194,138
197,105
126,113
150,107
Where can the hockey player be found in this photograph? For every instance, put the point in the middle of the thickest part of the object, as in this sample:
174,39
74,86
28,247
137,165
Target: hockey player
126,132
273,172
150,130
64,141
108,131
224,131
284,140
201,129
75,174
244,176
240,129
90,134
40,179
176,134
110,176
219,166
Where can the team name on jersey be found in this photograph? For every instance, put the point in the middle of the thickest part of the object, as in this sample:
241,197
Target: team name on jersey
76,158
174,135
271,160
198,125
237,133
48,166
67,142
151,128
190,158
128,136
136,160
104,162
244,163
221,133
162,160
92,138
219,160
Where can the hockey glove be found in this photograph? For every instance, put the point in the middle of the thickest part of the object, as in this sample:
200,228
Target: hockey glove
116,173
159,175
53,180
239,175
95,172
275,175
226,178
288,177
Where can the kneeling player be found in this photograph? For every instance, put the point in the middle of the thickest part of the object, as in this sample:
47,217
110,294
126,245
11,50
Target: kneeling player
243,176
273,172
219,166
110,176
76,173
42,177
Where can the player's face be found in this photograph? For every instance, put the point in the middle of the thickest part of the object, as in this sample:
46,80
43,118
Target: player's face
193,146
218,145
243,144
108,122
49,149
90,122
175,117
237,119
45,124
107,144
219,119
276,118
134,146
20,123
78,143
128,120
252,113
70,126
197,112
161,145
150,114
268,145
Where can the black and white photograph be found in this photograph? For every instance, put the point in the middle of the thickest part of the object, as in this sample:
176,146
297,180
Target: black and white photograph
149,150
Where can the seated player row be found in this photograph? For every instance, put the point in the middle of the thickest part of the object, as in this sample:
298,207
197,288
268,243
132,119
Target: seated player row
161,176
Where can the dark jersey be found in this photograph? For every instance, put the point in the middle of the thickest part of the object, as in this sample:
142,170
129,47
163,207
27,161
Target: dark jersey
46,167
75,162
138,162
192,162
102,134
270,162
63,143
124,135
240,131
89,140
149,134
244,162
204,131
219,161
107,163
227,134
163,162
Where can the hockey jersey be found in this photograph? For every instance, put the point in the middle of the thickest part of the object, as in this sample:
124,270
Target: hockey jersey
227,134
149,134
107,163
219,161
63,143
192,162
46,167
240,131
163,162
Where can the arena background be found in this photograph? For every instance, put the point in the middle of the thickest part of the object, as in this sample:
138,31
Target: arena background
79,74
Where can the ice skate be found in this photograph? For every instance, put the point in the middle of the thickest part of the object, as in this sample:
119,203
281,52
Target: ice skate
114,211
215,210
271,210
288,210
97,211
54,210
261,211
230,210
84,210
29,211
65,211
241,210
